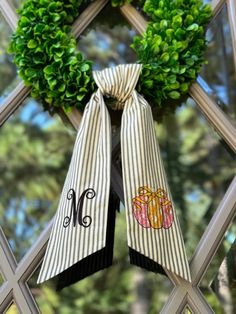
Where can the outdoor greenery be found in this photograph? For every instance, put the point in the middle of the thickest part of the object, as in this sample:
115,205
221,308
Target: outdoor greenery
45,53
172,47
35,151
171,51
7,67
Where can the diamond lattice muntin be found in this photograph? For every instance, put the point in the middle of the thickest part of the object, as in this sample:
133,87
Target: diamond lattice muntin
209,201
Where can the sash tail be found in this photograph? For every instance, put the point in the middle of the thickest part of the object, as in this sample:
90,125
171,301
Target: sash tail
98,260
154,236
79,243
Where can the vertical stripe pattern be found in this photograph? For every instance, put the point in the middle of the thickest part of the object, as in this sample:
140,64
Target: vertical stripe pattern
153,230
89,169
142,166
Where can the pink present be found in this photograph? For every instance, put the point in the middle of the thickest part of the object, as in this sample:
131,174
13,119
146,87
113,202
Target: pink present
167,210
140,208
152,209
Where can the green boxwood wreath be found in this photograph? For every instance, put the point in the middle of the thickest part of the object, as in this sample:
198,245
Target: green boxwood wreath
171,51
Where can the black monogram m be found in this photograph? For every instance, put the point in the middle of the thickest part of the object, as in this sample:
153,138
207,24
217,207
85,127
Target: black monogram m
77,208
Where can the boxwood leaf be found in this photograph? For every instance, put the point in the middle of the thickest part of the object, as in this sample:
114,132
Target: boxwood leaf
193,27
165,57
62,87
32,44
85,67
48,69
174,95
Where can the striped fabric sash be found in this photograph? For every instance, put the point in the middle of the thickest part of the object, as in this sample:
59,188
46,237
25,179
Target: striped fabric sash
81,240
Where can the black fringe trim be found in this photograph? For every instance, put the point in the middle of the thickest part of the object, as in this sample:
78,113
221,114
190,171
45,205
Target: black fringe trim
145,262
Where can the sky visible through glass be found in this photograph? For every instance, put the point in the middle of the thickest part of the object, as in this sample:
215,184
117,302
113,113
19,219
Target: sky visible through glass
198,164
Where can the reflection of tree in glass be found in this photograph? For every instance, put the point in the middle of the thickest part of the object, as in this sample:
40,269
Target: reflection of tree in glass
199,170
220,72
33,164
107,40
7,67
197,167
224,278
33,146
34,156
1,279
17,3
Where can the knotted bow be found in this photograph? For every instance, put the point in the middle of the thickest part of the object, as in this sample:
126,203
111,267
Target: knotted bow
81,240
145,191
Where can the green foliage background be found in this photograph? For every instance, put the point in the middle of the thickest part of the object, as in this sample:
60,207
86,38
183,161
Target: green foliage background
172,47
171,51
35,151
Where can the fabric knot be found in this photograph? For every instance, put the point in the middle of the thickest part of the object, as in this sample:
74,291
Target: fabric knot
118,82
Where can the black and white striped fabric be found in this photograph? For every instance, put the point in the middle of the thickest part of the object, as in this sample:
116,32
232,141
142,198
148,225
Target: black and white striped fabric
81,240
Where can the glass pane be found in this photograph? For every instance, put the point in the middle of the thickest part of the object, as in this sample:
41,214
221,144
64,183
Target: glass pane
219,76
199,168
107,40
17,3
34,157
7,67
1,279
224,284
218,285
187,310
12,309
120,289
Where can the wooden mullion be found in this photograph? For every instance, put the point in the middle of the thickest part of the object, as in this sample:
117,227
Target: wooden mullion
87,16
13,101
134,18
231,4
9,13
216,117
217,6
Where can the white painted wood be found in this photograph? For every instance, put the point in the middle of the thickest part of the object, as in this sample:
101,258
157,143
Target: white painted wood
197,302
13,101
87,16
9,13
12,288
184,293
214,234
217,6
232,22
134,18
216,117
176,301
